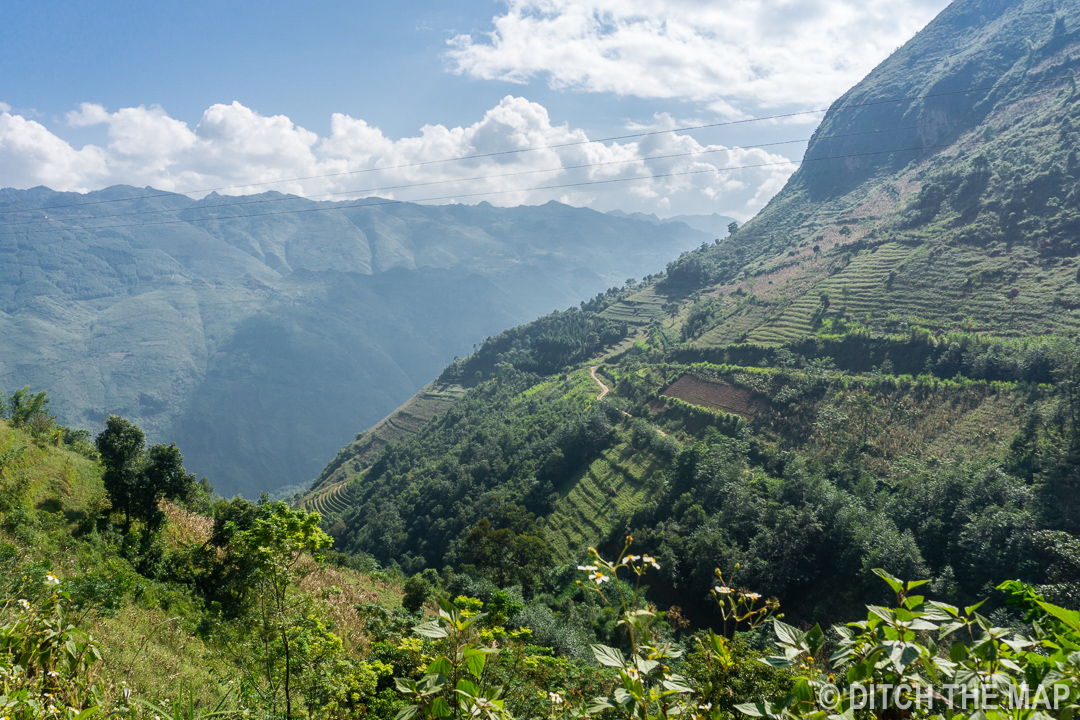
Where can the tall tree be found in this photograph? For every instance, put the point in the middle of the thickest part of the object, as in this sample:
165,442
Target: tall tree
121,447
138,479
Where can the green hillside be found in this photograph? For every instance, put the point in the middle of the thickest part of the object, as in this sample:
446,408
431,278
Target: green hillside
876,371
260,332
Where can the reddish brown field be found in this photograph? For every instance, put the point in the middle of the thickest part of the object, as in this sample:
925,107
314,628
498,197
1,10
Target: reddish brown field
719,396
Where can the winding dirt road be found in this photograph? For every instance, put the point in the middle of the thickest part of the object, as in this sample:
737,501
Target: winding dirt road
604,389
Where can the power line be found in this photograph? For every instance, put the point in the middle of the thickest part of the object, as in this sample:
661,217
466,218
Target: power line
458,196
686,128
694,153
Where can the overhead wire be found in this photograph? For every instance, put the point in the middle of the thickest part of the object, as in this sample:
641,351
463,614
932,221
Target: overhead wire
647,133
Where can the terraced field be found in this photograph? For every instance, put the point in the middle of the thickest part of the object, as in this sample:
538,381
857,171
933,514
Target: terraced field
433,400
861,288
331,502
641,308
592,504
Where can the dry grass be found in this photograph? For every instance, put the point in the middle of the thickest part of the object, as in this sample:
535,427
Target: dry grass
341,590
185,527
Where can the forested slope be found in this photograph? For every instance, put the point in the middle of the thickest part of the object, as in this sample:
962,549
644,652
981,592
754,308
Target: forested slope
876,371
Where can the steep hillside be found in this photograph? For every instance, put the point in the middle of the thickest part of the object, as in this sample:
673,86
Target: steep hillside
942,189
876,371
259,332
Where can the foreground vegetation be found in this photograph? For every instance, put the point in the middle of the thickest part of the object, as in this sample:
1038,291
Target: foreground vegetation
242,612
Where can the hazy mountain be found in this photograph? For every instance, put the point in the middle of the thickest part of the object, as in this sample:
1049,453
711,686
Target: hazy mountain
715,225
259,333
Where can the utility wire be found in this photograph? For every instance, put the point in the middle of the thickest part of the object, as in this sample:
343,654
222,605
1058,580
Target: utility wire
686,128
693,153
560,186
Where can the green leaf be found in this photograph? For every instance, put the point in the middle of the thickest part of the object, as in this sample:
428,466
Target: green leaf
949,628
787,634
939,611
753,709
405,686
1069,617
440,708
475,659
913,601
600,704
912,584
814,640
894,583
676,687
430,629
608,656
407,713
467,687
972,608
440,666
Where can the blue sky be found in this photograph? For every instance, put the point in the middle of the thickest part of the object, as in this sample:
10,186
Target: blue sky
193,95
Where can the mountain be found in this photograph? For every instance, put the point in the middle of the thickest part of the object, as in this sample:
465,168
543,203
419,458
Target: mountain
877,371
259,332
715,225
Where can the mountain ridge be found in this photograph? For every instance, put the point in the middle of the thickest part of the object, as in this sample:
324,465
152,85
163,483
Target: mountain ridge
196,318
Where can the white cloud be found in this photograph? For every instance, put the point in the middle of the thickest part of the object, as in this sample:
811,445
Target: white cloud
732,56
236,148
4,107
30,155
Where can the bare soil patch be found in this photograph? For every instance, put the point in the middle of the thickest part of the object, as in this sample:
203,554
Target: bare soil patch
718,396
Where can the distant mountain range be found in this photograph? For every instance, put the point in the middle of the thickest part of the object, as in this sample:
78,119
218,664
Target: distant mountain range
260,333
715,224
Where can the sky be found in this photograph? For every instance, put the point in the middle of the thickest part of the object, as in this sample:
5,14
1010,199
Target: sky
513,102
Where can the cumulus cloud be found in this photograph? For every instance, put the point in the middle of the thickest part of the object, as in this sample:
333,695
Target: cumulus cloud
238,151
30,155
733,56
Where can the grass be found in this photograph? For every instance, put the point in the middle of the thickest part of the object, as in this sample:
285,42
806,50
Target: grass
153,652
149,642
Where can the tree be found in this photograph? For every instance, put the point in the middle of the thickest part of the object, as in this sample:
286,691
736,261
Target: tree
120,445
276,542
137,479
417,591
22,406
732,227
